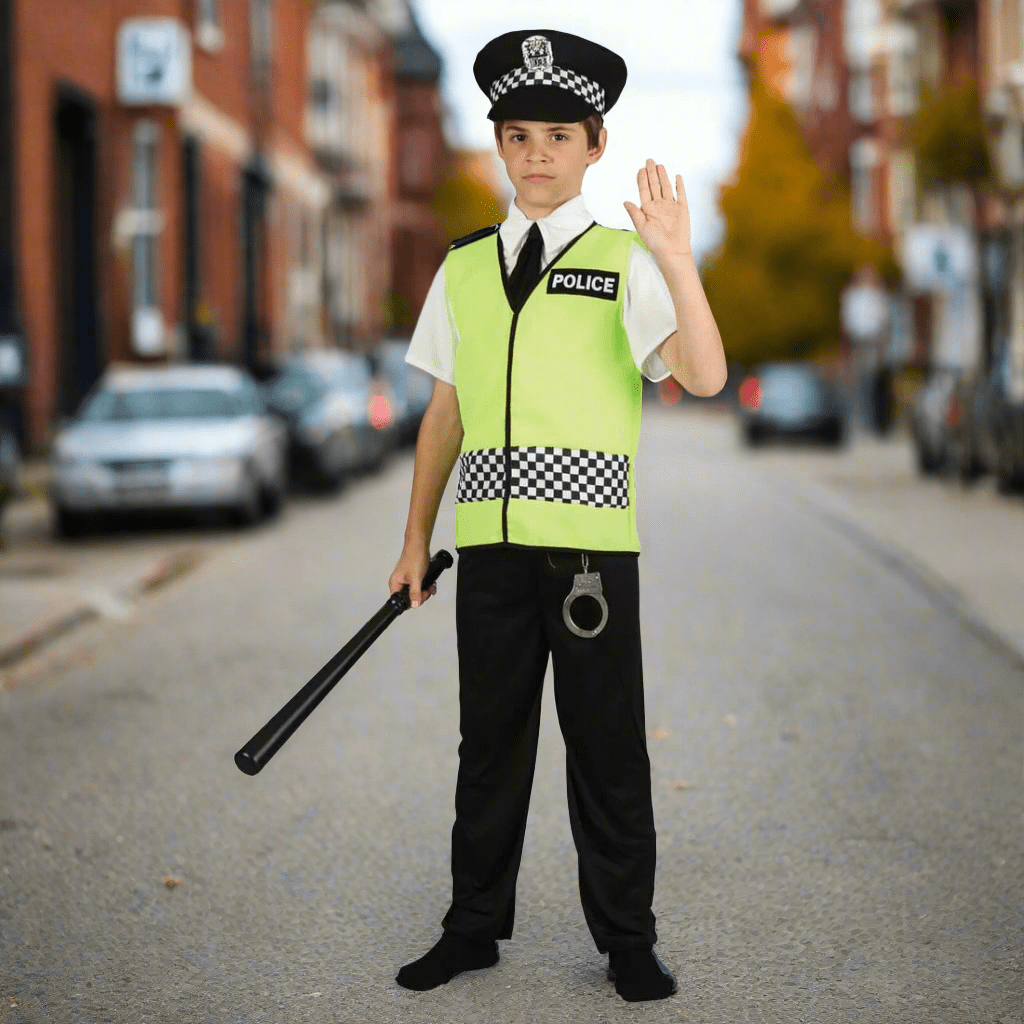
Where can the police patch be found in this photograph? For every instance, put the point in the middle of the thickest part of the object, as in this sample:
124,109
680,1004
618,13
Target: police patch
598,284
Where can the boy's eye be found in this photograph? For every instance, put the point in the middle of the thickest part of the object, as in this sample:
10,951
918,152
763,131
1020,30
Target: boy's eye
558,135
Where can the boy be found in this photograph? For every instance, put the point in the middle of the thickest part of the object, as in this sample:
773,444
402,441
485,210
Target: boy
537,331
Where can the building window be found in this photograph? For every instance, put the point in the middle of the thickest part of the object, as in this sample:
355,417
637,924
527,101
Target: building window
902,192
147,320
827,90
903,70
261,28
863,161
803,45
861,99
209,28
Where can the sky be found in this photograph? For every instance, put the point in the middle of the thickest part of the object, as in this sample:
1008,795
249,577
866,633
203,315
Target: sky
684,104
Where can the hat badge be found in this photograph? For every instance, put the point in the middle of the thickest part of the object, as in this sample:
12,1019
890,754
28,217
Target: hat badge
537,53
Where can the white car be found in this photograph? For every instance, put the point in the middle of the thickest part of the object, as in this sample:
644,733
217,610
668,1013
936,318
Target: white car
178,437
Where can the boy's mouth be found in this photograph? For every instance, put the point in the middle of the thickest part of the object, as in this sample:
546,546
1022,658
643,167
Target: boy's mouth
538,177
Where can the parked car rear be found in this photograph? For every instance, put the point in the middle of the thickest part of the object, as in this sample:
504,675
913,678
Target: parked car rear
790,399
413,387
339,416
967,452
1005,420
929,419
174,438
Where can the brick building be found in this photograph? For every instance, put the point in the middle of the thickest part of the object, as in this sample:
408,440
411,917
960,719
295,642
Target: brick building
351,129
422,160
176,220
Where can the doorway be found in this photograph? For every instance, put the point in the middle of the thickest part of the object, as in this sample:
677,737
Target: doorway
78,344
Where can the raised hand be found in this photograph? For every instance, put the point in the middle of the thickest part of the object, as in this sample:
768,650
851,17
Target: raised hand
661,219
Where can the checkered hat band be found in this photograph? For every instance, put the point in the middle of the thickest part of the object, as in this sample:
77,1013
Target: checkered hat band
573,476
563,78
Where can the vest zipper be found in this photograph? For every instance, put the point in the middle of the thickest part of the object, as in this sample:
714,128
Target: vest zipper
508,431
508,376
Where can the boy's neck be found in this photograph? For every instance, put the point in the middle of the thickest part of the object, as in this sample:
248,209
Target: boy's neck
533,212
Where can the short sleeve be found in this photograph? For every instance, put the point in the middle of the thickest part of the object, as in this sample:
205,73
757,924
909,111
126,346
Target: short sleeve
432,346
648,313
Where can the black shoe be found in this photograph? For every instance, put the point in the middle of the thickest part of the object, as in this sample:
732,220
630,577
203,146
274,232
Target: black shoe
639,974
452,954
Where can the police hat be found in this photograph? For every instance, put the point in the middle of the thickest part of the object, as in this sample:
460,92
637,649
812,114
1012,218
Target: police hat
543,75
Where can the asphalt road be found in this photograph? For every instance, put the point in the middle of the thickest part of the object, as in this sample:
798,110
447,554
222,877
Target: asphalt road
837,770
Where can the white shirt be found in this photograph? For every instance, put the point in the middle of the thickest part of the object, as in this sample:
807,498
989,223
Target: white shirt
648,313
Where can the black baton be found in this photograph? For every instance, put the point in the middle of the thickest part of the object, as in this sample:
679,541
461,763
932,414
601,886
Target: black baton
269,740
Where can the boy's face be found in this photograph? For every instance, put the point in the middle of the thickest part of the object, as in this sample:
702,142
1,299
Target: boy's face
546,161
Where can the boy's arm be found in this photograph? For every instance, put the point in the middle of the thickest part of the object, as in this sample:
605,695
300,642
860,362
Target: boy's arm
437,448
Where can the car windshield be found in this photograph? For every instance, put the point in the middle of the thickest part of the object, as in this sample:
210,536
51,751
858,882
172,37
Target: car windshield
294,390
161,404
789,385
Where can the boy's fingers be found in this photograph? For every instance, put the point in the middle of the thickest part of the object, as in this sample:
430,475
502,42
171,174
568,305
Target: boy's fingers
643,184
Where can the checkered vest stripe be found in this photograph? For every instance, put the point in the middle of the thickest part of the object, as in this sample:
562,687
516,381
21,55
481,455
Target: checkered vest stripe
572,475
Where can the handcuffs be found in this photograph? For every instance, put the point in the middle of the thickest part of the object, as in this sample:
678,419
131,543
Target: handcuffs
584,584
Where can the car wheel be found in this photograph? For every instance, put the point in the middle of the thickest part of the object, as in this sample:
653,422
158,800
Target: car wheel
71,524
1010,482
835,435
273,500
926,463
250,509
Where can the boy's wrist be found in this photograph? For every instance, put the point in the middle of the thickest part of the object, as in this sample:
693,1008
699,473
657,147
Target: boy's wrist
416,539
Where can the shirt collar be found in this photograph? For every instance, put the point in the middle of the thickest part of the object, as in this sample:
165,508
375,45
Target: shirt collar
557,229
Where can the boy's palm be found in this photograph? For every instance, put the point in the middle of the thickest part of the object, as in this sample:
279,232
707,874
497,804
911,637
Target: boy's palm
661,220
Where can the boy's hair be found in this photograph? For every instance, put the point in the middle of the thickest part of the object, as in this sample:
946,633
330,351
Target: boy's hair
592,125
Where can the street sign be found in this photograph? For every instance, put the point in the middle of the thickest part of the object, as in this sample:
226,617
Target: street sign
148,335
154,62
864,309
939,257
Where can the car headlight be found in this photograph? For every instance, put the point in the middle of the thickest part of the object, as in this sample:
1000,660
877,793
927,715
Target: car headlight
78,468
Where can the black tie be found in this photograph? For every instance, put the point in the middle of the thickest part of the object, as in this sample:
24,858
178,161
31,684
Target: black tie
527,268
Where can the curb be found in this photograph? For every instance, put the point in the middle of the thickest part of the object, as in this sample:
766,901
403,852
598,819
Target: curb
168,568
33,481
842,517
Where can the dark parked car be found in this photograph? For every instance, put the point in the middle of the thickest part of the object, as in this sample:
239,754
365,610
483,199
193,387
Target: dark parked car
1004,421
10,463
968,424
967,451
791,399
412,386
339,415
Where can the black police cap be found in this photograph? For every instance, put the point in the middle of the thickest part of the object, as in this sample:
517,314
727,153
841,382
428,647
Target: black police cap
544,75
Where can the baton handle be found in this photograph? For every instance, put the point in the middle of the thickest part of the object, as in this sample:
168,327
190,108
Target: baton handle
253,757
441,561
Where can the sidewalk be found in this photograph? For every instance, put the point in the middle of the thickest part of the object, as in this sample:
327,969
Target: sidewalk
49,586
965,544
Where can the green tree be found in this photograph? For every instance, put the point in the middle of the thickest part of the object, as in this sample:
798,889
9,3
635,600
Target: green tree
464,203
775,282
948,135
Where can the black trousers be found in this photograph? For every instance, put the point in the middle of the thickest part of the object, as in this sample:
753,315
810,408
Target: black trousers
509,619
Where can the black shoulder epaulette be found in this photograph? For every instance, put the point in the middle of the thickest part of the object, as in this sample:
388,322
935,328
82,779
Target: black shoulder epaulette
473,236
